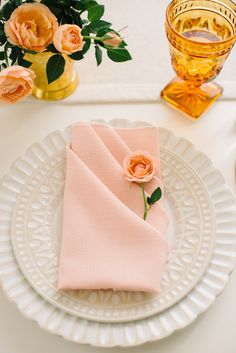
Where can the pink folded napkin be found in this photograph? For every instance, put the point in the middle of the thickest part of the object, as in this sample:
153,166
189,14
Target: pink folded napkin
106,244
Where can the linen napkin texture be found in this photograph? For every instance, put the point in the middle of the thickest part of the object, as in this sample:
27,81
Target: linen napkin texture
106,244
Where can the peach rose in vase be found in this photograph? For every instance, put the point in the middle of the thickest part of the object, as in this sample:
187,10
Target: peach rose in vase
50,35
68,39
31,26
16,83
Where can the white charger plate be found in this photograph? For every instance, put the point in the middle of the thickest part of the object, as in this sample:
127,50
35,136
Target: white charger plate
202,237
37,227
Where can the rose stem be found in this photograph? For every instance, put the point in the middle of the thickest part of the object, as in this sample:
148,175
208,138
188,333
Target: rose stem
145,202
100,39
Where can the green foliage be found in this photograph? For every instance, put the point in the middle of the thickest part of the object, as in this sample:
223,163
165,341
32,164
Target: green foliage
77,55
98,25
15,53
75,18
52,49
83,5
3,37
23,62
8,8
98,54
95,12
86,32
55,67
156,196
87,14
27,51
119,54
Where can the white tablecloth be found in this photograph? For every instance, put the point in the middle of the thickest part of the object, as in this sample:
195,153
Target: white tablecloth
21,125
140,81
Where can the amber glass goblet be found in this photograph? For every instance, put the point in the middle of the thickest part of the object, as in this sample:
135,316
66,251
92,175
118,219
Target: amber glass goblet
201,34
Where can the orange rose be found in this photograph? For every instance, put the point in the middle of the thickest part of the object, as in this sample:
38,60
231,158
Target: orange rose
114,40
68,39
31,26
139,167
16,83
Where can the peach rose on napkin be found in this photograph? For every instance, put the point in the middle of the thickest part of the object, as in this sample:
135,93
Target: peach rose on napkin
114,39
68,39
31,26
139,167
16,83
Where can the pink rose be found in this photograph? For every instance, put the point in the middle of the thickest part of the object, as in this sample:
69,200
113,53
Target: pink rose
139,167
114,40
31,26
68,39
16,83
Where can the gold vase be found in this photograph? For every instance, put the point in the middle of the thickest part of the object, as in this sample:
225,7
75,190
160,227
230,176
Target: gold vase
201,34
63,87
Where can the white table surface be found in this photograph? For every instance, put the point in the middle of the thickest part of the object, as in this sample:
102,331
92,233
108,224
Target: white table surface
140,80
23,124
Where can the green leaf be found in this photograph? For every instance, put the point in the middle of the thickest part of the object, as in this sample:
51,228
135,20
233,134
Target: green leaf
17,2
55,67
1,14
95,12
86,32
6,48
156,196
15,52
2,55
86,46
83,5
98,54
119,55
18,55
24,63
104,31
7,9
77,4
64,3
59,4
30,51
56,11
76,17
123,44
52,49
97,25
89,3
78,55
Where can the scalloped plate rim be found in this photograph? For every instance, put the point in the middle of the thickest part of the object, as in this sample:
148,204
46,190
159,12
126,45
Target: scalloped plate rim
151,336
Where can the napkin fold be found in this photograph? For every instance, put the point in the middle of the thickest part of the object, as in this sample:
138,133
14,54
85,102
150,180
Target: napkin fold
105,243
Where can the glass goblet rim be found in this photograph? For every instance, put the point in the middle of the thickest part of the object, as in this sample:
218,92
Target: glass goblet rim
231,39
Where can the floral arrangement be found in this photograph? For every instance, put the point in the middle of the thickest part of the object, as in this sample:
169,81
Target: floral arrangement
62,27
140,167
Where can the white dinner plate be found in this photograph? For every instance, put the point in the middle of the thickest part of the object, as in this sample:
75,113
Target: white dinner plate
201,236
37,227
